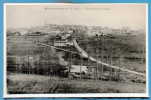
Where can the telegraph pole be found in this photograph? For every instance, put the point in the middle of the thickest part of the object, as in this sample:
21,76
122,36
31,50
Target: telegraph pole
81,61
97,40
102,49
111,76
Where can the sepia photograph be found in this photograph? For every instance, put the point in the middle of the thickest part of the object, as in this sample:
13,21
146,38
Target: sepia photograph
75,50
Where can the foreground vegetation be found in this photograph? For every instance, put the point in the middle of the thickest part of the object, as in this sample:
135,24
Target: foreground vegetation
23,83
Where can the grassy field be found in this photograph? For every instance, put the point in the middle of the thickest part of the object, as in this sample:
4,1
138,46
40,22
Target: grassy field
23,83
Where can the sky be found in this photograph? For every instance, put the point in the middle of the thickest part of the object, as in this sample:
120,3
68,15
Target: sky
106,15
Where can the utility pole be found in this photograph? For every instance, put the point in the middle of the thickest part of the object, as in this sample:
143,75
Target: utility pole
102,49
88,66
120,57
81,61
28,71
111,63
97,41
70,64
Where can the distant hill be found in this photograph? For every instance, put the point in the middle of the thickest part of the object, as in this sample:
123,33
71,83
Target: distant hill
126,40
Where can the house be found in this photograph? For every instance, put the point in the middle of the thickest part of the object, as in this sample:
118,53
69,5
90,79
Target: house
78,69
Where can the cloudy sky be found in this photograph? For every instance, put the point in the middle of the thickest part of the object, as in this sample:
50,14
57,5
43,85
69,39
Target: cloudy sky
110,15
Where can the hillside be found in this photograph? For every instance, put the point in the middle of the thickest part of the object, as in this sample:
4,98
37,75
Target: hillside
127,47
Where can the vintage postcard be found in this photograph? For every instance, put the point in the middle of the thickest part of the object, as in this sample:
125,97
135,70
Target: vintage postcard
75,50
